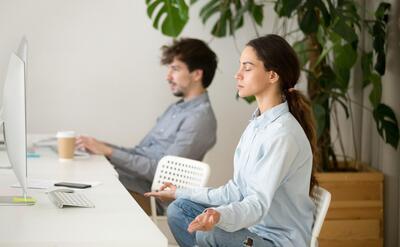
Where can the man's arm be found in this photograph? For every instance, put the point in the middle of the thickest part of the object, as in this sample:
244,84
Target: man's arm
93,145
194,138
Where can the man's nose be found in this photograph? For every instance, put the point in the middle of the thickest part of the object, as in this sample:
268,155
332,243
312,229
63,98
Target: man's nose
168,76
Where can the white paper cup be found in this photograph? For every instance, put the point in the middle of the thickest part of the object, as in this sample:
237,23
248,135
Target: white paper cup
66,145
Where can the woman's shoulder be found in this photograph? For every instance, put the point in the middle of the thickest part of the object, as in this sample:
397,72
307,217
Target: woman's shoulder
287,125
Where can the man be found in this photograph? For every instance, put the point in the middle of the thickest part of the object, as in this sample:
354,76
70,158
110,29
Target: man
187,128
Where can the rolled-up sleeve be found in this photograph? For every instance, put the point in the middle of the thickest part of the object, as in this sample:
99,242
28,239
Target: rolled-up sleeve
130,162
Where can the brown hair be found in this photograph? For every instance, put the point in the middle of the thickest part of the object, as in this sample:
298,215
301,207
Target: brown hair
195,54
279,56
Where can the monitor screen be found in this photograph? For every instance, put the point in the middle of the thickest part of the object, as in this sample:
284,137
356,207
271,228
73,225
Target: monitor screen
14,117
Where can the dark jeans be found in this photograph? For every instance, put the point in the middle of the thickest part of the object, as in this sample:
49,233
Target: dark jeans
181,212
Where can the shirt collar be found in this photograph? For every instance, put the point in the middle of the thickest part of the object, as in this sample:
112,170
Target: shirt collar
269,115
193,102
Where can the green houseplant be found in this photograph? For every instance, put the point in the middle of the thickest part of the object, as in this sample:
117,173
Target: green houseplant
329,42
329,47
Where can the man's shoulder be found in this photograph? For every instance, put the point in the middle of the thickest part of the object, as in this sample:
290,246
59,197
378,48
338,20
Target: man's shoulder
203,109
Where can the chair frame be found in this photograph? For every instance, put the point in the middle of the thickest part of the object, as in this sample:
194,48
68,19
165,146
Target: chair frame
322,199
182,172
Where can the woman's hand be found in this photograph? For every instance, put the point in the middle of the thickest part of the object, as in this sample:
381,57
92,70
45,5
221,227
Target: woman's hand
205,221
93,145
165,193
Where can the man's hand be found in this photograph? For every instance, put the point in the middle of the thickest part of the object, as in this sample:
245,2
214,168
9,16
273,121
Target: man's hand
93,145
205,221
165,194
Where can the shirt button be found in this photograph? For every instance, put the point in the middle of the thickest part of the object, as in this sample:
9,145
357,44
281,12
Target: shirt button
174,116
161,130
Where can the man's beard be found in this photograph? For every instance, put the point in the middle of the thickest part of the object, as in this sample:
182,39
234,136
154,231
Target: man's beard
178,94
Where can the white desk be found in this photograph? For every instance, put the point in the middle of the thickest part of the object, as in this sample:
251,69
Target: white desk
117,220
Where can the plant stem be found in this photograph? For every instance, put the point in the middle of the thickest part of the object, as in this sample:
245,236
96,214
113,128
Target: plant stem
357,154
336,121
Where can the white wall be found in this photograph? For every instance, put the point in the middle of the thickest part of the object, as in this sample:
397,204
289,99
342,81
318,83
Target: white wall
94,68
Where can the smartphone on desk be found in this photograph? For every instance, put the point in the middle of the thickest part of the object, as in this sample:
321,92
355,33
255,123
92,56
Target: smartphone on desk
73,185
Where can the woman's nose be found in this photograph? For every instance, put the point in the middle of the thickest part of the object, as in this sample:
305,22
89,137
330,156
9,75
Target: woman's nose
238,75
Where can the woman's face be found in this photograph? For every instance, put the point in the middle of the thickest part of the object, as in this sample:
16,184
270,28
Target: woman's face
252,78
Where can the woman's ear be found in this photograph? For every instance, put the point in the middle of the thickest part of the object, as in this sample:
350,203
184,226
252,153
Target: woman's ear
273,76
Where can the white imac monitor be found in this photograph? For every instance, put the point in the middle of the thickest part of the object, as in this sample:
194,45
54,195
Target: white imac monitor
22,53
14,126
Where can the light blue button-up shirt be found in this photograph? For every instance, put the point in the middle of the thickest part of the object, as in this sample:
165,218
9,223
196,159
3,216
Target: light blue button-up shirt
269,192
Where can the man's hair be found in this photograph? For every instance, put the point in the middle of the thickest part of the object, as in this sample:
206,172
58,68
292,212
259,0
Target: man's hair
195,54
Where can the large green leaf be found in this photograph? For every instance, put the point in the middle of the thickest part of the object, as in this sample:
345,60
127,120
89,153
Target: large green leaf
328,78
224,25
376,92
286,7
382,11
345,56
325,12
344,30
378,33
238,19
230,15
344,59
209,9
174,15
387,125
256,12
366,67
309,22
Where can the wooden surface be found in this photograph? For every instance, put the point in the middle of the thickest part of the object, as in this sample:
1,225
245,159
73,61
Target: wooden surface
355,216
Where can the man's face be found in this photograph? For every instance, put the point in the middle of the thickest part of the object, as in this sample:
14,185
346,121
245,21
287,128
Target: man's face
180,79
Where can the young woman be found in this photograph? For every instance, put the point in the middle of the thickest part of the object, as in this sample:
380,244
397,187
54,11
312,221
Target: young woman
267,203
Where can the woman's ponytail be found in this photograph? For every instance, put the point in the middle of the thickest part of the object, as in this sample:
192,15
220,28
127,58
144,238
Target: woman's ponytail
300,108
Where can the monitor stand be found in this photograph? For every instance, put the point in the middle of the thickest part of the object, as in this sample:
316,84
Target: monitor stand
16,201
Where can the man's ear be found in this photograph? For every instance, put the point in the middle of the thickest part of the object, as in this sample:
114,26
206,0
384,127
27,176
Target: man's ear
197,75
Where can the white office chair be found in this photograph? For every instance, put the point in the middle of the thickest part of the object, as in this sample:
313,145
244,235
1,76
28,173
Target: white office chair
322,199
182,172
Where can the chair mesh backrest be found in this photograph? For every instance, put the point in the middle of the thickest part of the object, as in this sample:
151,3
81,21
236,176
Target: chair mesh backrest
322,199
182,172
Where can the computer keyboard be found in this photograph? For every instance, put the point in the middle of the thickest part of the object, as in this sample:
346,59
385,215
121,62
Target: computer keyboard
68,199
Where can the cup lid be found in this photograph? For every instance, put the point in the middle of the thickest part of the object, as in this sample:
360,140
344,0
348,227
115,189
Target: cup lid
65,134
